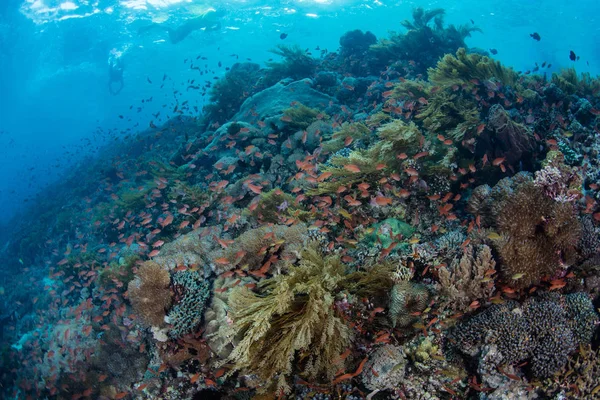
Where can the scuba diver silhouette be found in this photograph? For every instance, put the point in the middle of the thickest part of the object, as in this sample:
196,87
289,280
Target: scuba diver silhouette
208,21
115,72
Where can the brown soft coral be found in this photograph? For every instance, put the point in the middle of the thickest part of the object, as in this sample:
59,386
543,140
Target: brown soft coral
468,279
149,293
539,236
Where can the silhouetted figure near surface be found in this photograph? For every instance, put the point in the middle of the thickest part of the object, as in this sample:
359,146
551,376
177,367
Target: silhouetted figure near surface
208,22
115,73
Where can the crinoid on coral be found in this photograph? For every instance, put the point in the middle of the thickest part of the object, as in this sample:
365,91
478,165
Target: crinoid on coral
539,236
506,138
545,330
579,376
406,299
468,279
276,206
464,68
268,248
291,321
150,294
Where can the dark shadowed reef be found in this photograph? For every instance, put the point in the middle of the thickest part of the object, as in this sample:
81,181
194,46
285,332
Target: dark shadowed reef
404,218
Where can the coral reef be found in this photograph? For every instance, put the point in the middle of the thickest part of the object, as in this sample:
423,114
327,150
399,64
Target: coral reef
540,236
385,368
469,279
469,69
191,294
150,293
406,299
292,314
545,330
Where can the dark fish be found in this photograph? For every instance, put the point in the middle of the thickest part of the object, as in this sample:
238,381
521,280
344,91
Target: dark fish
549,65
220,65
473,22
494,51
543,64
149,81
536,36
283,36
572,56
536,69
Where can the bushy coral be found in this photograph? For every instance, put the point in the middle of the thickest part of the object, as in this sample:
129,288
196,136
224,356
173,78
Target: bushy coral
291,320
296,64
469,279
150,294
544,330
539,236
191,294
451,114
423,44
357,131
299,116
463,68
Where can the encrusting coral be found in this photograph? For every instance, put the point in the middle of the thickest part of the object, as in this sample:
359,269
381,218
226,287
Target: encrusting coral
291,320
150,294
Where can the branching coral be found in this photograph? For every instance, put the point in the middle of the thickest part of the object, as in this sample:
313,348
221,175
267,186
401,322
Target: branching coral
291,320
463,68
544,329
468,279
149,293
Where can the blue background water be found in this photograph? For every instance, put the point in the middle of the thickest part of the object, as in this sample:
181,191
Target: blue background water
55,106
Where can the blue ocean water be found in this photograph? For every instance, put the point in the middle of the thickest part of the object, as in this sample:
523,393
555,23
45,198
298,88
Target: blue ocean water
80,77
55,106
